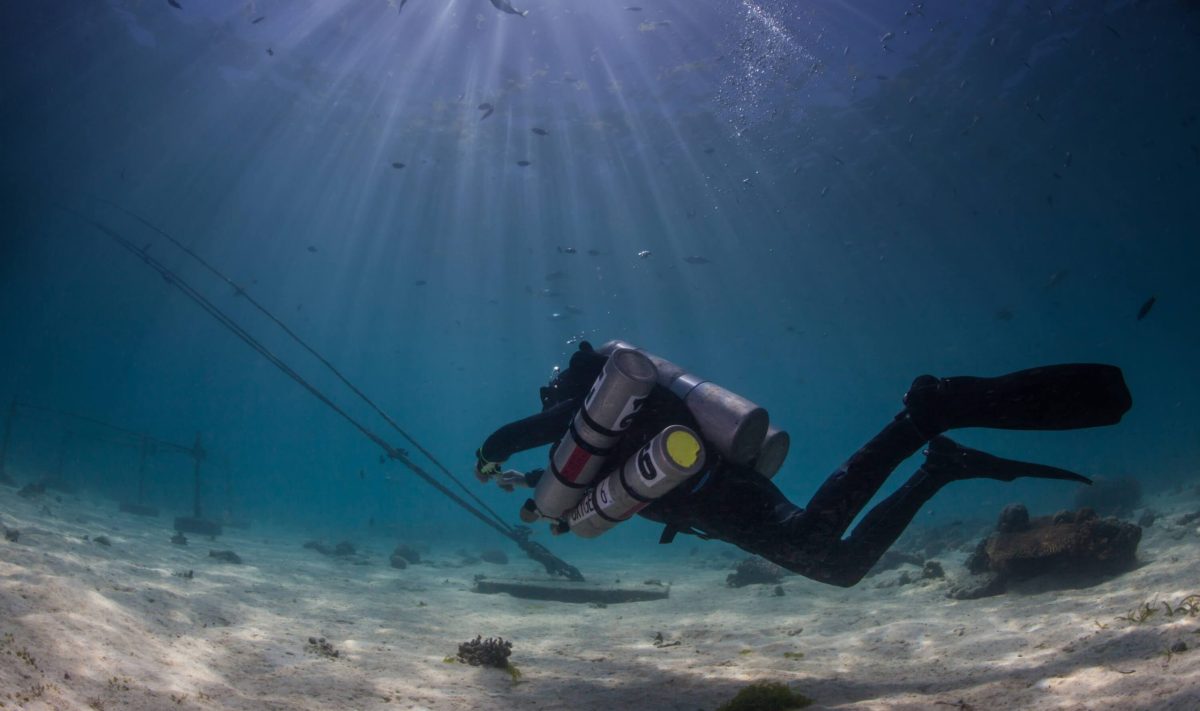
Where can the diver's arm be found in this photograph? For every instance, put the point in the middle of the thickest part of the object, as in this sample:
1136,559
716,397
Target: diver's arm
541,429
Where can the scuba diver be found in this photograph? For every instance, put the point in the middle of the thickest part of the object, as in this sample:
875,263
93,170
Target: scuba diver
635,433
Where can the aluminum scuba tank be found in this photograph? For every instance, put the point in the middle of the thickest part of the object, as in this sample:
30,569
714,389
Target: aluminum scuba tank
609,408
673,456
733,425
773,451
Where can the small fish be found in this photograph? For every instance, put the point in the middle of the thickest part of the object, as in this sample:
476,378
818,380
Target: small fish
1004,315
420,282
258,19
397,165
362,474
594,253
487,110
1113,30
371,522
566,250
524,163
540,131
312,249
633,8
644,254
1056,278
506,6
270,52
887,36
696,259
175,4
709,150
1146,307
383,459
401,6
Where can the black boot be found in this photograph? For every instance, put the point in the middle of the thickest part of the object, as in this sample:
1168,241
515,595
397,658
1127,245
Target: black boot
1054,397
950,461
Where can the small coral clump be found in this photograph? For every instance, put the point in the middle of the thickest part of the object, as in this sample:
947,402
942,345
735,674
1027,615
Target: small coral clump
754,571
490,652
766,696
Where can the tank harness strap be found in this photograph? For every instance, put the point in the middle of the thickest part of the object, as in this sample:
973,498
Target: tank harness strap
671,530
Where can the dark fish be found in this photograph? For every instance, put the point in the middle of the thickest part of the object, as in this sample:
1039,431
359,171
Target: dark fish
312,249
634,8
382,459
1004,315
566,250
420,282
1111,29
593,253
524,163
709,151
487,110
539,131
696,259
258,19
1146,307
362,474
175,4
371,522
270,51
397,165
401,6
506,6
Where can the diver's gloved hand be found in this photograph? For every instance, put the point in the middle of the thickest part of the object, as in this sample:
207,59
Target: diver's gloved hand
485,470
512,479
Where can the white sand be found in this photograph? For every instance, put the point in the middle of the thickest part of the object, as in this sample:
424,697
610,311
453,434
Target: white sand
84,625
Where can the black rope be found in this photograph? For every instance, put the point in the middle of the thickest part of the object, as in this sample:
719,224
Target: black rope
520,536
84,418
240,291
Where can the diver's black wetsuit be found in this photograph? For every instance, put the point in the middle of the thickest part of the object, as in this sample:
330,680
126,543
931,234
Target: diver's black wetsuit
735,503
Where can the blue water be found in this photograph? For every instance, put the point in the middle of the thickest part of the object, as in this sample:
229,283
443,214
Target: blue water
880,190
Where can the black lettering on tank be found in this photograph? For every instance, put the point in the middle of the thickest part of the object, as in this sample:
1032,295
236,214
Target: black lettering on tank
636,407
646,465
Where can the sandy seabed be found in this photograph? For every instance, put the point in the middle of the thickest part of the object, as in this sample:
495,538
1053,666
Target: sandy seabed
84,625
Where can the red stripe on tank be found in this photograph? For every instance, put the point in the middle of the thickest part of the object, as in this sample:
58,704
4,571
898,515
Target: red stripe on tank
574,465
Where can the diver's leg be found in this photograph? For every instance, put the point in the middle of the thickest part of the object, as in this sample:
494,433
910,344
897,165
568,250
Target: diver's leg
1054,397
945,461
844,494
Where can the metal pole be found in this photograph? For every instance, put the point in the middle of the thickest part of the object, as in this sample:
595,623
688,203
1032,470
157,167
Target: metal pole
8,422
197,457
142,471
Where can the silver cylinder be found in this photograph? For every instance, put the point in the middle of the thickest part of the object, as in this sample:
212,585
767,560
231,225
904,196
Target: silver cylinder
609,408
773,452
665,462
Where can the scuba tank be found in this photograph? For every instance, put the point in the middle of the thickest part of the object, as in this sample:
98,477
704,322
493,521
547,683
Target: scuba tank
736,427
674,455
615,397
773,451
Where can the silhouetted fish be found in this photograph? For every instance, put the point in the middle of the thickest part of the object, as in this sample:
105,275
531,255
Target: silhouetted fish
524,163
593,253
258,19
1004,315
506,6
270,51
709,151
175,4
1146,308
420,282
634,8
312,249
566,250
1056,278
487,110
696,259
397,165
539,131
